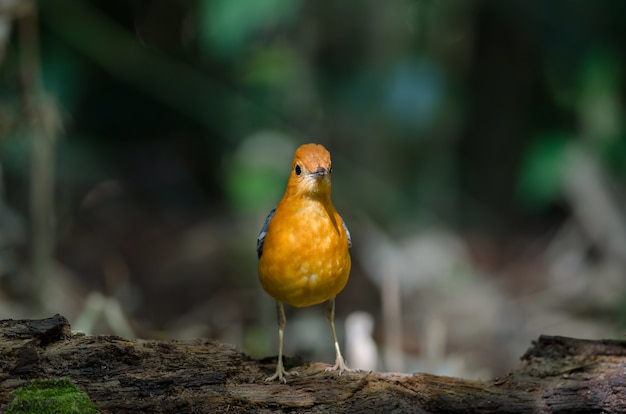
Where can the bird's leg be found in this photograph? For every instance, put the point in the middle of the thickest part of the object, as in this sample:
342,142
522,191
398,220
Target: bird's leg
340,363
280,369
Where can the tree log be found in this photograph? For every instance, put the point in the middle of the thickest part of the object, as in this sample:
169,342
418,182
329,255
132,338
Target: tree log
556,375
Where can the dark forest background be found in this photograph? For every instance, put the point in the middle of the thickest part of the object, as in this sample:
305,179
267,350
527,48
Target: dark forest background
479,159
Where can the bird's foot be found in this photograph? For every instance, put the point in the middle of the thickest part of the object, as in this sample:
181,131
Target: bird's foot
341,366
281,374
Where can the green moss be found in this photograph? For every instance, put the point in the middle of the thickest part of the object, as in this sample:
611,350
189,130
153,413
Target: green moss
57,396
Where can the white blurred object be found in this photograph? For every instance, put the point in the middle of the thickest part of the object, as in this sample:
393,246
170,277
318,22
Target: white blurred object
597,224
361,349
435,342
419,260
109,306
430,259
594,204
96,306
391,300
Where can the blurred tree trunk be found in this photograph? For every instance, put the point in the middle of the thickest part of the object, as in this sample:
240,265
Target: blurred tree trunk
557,375
42,124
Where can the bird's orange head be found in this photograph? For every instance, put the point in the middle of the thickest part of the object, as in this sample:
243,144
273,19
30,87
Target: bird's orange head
310,172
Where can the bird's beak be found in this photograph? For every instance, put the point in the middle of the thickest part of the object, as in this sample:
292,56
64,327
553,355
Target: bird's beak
318,172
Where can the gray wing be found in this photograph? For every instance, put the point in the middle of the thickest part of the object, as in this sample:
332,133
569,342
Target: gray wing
347,233
261,239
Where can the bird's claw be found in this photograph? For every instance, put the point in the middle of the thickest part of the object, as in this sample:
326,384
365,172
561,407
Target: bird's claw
340,365
281,374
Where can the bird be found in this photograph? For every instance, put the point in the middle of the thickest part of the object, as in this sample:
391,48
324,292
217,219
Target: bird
303,247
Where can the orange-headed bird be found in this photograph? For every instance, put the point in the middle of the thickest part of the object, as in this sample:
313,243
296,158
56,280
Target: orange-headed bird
304,246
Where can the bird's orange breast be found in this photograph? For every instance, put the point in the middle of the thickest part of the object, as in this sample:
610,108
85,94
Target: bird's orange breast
305,257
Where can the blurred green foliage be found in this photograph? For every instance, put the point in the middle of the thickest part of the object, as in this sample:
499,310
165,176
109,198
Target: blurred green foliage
540,181
228,27
180,118
600,112
412,93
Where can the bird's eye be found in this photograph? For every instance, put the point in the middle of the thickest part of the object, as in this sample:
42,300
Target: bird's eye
298,170
330,170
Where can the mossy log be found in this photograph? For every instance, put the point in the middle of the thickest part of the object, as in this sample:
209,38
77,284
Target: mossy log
556,375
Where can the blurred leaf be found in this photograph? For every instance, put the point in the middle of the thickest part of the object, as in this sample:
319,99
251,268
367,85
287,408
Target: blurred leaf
249,190
169,81
599,101
16,153
600,73
258,170
272,67
231,23
614,154
64,78
540,176
273,74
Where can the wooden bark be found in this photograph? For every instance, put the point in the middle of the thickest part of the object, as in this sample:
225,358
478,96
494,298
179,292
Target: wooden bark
556,375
